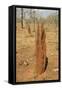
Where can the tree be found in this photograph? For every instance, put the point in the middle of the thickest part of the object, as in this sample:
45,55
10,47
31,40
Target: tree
33,18
22,17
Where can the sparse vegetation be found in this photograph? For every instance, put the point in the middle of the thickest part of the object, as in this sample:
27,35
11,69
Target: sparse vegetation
36,40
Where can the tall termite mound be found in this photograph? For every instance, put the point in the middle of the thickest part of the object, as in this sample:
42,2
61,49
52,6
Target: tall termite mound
40,49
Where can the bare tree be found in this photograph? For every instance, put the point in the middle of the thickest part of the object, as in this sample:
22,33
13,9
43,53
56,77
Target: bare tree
22,17
33,16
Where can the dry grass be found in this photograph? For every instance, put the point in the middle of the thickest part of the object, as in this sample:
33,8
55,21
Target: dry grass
26,58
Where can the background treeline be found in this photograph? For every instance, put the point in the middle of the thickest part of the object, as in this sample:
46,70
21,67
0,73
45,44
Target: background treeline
28,16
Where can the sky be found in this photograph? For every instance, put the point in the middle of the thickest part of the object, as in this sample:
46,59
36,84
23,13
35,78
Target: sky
39,12
46,13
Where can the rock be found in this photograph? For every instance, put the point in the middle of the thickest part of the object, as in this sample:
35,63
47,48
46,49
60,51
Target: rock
25,63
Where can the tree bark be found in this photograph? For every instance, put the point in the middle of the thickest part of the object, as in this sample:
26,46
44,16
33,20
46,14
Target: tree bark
22,18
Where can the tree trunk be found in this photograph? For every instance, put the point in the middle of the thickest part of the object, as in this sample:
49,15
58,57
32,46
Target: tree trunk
22,17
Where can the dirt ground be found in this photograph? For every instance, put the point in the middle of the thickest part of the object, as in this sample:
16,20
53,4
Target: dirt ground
26,58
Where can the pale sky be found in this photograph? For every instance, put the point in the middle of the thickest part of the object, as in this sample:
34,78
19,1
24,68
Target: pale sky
39,12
